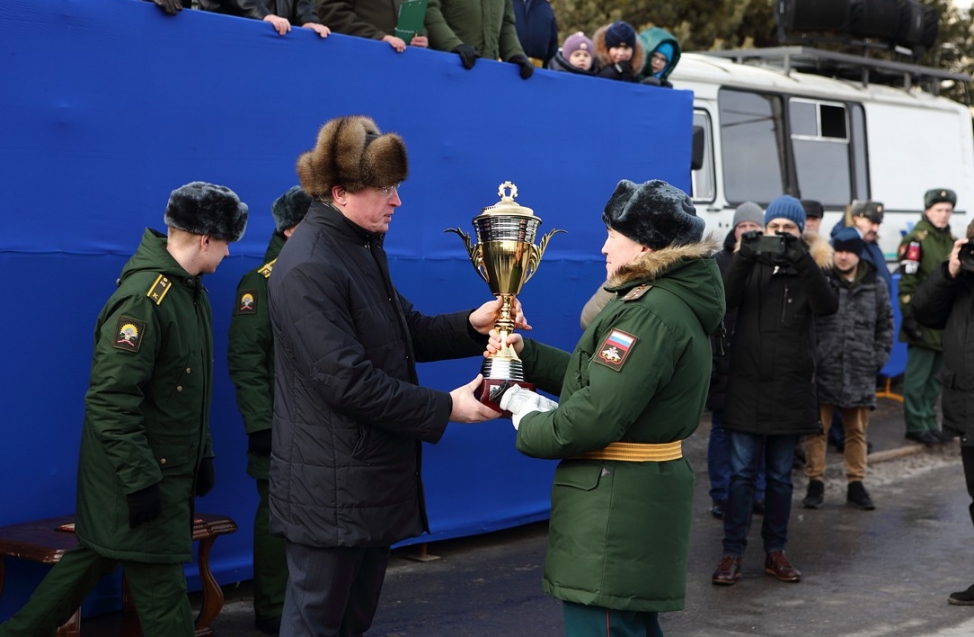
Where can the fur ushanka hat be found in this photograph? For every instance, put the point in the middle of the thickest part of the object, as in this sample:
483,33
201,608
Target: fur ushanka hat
290,208
654,214
351,152
207,209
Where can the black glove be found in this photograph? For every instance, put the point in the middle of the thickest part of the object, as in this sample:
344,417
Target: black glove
145,505
749,244
794,248
912,329
259,443
205,477
172,7
468,57
527,69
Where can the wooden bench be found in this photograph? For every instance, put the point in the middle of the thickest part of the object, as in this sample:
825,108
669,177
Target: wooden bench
41,541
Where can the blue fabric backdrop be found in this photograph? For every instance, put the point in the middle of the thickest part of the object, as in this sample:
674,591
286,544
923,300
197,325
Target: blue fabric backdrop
109,104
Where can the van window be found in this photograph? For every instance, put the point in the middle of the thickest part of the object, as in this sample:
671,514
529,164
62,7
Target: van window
752,146
702,179
820,142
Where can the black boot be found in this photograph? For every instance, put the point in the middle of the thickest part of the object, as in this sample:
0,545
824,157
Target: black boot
858,496
963,598
815,496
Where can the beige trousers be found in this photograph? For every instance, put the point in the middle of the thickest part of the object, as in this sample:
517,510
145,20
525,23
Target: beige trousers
855,421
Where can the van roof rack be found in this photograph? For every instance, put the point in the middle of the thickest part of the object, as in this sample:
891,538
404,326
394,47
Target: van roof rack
847,66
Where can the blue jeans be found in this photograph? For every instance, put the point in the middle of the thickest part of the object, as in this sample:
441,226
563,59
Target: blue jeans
747,450
719,461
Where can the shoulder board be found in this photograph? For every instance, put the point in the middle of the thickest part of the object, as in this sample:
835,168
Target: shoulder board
637,292
159,289
265,270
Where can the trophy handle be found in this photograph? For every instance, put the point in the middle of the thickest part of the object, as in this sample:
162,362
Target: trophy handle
537,251
475,252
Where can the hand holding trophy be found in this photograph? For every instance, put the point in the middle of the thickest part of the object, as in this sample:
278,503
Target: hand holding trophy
506,258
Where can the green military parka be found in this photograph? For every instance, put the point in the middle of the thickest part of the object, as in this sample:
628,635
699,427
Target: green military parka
146,408
250,353
936,244
619,532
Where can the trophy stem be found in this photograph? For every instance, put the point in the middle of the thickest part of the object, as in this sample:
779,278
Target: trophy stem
505,327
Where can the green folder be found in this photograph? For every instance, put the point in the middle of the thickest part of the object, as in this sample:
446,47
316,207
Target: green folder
411,16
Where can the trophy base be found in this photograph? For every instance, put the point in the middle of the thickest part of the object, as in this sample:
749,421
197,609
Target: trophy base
496,372
490,384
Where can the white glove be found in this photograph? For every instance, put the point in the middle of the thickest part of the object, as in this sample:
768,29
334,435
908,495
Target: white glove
521,402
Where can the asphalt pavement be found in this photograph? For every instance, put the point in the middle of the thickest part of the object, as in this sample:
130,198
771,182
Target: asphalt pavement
882,573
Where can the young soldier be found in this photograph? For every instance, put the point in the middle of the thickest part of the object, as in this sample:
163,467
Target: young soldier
920,252
250,359
145,442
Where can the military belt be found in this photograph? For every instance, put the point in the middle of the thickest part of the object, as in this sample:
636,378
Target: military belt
637,452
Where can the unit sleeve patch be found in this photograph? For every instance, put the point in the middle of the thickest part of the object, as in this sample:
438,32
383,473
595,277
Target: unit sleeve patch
615,349
128,334
247,302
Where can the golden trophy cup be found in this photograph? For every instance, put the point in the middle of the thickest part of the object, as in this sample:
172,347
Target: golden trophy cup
506,258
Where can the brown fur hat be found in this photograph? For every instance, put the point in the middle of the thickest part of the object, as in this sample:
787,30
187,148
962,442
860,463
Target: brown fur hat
351,152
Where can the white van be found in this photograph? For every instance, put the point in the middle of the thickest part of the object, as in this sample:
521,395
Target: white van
773,121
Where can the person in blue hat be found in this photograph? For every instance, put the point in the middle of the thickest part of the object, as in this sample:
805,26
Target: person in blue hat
662,55
777,285
619,54
851,347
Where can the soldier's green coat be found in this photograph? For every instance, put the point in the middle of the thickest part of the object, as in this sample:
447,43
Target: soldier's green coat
620,531
146,409
935,247
250,353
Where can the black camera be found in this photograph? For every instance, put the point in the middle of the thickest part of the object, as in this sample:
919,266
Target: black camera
763,245
966,256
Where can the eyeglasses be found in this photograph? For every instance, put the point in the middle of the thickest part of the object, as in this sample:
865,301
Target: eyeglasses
388,191
659,57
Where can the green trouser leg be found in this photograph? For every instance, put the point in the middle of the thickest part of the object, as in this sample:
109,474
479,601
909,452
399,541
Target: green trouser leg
921,388
159,594
59,595
270,562
593,621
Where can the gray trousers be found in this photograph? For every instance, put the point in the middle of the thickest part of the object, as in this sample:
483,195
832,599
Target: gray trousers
332,592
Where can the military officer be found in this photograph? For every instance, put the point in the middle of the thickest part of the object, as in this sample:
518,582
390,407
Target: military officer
920,252
250,358
145,441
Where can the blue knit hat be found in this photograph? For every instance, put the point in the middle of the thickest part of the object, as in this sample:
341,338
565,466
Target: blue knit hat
618,33
848,240
665,49
786,207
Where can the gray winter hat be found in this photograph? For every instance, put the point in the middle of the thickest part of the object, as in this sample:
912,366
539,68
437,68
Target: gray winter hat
290,208
654,214
748,211
207,209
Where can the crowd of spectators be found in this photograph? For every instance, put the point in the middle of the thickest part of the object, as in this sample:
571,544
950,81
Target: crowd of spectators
521,32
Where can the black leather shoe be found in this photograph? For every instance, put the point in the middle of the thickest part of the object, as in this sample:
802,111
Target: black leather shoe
923,437
963,598
758,507
728,571
815,495
777,564
717,510
945,435
858,496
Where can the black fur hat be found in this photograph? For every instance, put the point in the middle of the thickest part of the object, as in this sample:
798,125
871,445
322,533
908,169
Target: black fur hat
290,208
351,152
654,214
203,208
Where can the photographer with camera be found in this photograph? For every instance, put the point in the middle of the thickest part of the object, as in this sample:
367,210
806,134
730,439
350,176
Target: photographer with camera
921,252
945,302
778,285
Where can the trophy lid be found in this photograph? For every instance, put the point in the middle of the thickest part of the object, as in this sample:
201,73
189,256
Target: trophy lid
507,206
